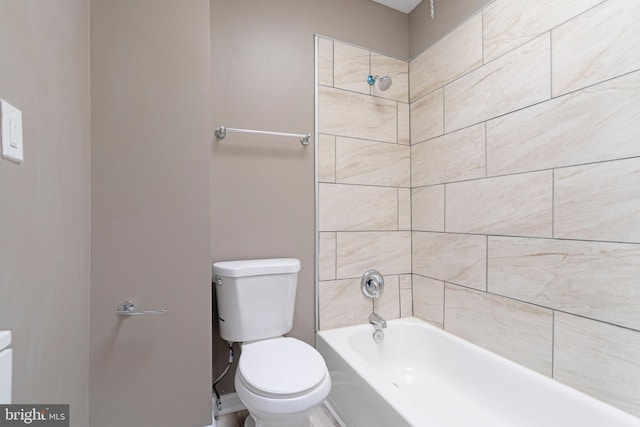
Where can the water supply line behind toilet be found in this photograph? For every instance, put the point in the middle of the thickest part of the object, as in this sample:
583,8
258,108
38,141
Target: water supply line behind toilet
215,383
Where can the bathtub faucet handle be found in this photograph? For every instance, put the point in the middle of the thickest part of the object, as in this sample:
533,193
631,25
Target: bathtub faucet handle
377,321
372,284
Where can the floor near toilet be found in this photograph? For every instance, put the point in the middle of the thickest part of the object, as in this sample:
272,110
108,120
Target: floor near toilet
320,417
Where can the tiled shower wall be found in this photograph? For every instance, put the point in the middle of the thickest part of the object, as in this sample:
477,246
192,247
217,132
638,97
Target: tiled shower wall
525,190
364,183
525,132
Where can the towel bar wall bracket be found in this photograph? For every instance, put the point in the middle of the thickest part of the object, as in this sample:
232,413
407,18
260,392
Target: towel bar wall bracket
222,131
128,308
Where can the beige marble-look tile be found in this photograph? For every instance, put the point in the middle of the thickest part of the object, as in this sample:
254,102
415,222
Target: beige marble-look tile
327,256
428,300
404,209
455,258
388,252
592,279
398,70
516,330
453,157
516,205
406,296
598,202
355,115
427,208
388,305
597,45
341,303
455,55
359,161
357,207
598,359
515,80
427,120
325,61
404,128
350,67
510,23
327,158
594,124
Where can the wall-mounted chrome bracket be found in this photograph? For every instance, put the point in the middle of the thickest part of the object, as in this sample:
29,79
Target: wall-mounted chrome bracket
128,308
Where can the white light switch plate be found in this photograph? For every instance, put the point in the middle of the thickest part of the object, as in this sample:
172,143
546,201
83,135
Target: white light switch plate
11,132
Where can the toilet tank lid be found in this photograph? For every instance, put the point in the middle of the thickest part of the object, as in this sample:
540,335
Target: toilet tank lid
256,267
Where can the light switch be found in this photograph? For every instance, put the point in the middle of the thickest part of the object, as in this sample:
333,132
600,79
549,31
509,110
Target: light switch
11,132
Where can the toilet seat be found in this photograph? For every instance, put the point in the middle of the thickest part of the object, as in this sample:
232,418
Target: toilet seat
281,368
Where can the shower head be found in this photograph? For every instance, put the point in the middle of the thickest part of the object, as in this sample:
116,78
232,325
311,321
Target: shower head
384,82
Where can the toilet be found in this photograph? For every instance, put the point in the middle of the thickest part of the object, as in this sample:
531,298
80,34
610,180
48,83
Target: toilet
279,379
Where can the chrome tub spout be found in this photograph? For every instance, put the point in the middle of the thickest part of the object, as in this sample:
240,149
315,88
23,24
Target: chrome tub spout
377,321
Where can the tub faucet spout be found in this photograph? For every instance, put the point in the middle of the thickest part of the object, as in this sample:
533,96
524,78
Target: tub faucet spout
377,321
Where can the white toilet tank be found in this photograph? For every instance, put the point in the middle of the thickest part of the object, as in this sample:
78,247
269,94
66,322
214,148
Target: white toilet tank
256,298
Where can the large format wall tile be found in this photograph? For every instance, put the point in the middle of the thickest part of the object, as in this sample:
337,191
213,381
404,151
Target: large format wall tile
455,258
428,300
342,304
592,279
327,256
594,124
388,252
516,330
325,61
404,126
398,70
427,120
600,44
427,207
406,296
456,54
354,115
357,207
404,209
599,201
599,359
517,205
373,163
513,81
453,157
510,23
388,304
350,67
327,158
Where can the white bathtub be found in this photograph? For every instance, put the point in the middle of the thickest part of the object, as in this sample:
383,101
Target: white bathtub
422,376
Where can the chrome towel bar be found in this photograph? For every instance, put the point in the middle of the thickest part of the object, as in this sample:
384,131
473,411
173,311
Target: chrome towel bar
222,131
128,308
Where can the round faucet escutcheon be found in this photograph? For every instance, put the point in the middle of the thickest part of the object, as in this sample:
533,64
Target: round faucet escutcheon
372,284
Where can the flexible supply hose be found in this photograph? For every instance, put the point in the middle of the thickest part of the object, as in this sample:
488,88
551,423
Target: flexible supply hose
218,400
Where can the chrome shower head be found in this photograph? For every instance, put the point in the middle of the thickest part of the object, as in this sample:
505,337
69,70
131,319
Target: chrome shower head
384,82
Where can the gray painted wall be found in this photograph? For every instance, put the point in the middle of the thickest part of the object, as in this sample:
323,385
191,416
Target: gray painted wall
263,78
151,139
45,202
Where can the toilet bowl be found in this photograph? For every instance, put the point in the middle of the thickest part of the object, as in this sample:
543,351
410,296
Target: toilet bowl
279,379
